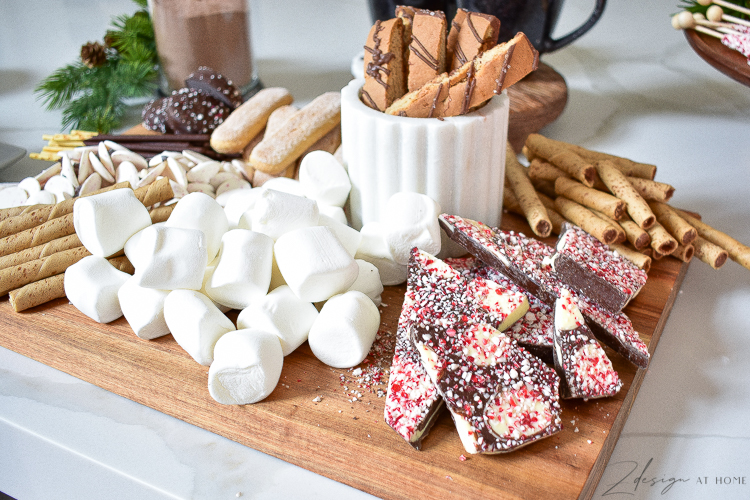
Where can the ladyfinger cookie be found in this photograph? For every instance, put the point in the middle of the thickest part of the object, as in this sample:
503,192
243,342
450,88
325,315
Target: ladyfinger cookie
471,34
279,150
248,120
384,69
471,85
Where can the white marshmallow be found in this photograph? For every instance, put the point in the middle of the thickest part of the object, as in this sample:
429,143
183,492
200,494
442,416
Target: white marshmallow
410,220
374,249
336,213
325,180
314,264
131,247
13,196
368,281
276,213
243,273
170,258
285,185
347,236
345,329
239,202
206,277
277,279
196,323
105,221
143,308
247,367
282,313
91,285
200,211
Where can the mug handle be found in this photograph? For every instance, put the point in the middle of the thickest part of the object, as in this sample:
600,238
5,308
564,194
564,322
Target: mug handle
551,44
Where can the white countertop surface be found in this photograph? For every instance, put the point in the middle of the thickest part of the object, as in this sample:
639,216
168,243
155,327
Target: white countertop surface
636,89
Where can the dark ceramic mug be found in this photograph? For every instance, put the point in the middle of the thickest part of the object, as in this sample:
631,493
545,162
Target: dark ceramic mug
535,18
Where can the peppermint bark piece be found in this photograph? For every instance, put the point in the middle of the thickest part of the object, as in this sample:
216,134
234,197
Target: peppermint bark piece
526,262
412,403
436,294
535,329
583,366
500,396
595,271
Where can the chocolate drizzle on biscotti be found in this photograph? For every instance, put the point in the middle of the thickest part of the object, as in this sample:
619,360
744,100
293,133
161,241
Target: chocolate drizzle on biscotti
422,53
471,82
435,101
470,23
504,71
379,58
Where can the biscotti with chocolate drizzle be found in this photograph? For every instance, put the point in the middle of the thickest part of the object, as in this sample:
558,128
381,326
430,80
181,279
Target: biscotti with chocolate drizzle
471,34
426,47
385,80
471,85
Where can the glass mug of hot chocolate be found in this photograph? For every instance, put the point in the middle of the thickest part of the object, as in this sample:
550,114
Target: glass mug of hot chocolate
212,33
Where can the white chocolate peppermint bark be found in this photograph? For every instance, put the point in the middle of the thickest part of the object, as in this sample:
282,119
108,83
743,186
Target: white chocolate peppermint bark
595,271
412,402
526,262
535,329
585,370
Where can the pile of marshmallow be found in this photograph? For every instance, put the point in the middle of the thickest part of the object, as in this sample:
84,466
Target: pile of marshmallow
295,273
86,169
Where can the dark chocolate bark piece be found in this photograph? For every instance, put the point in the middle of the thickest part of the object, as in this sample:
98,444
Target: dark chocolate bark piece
216,85
526,262
500,396
595,271
583,366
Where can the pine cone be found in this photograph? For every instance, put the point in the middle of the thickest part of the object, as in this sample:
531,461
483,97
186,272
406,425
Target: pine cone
93,54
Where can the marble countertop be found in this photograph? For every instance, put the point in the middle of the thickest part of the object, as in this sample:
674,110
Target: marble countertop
636,89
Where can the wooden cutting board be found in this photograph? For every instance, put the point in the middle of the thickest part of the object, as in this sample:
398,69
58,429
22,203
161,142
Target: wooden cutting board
342,434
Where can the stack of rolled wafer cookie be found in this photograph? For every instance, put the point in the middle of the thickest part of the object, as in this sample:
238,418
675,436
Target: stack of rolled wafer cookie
614,199
416,65
38,244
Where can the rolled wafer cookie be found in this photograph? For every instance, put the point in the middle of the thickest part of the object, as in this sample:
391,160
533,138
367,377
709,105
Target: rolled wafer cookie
248,120
160,214
278,151
9,212
619,185
44,213
586,220
533,209
736,250
40,251
35,270
605,203
47,289
151,194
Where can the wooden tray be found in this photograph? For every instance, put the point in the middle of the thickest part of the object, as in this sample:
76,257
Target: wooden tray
341,437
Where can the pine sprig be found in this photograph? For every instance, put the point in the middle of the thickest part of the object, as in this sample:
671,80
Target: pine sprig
93,98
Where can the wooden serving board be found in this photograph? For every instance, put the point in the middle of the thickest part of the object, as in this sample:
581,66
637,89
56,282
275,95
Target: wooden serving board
343,435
